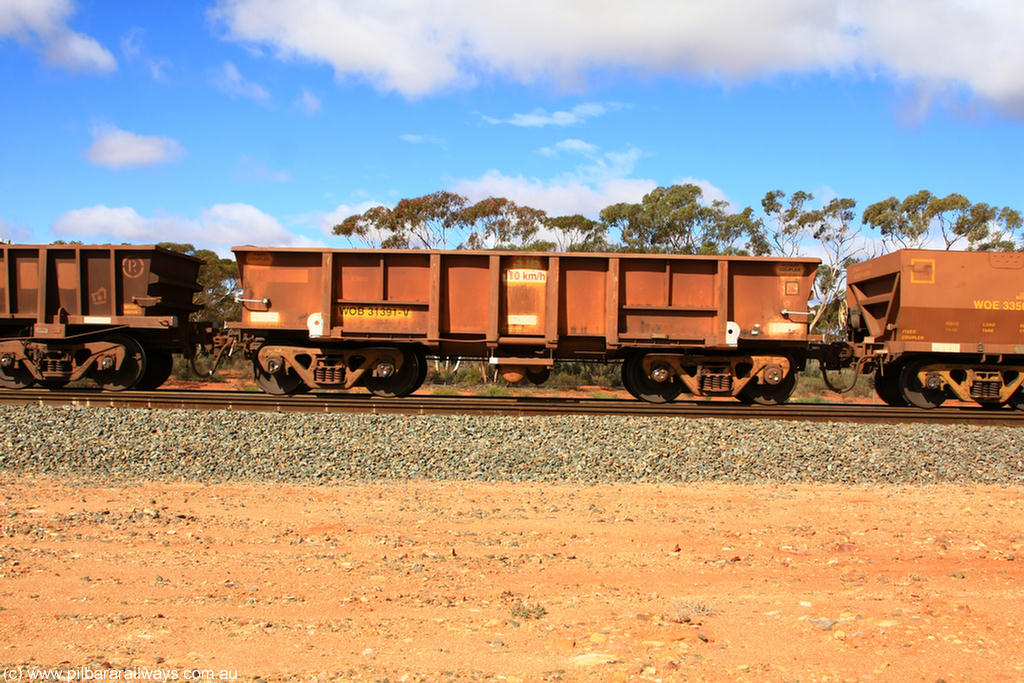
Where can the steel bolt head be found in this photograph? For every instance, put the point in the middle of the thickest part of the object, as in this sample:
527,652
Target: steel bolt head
773,374
661,373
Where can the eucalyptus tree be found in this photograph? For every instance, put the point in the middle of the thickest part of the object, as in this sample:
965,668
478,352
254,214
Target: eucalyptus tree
677,220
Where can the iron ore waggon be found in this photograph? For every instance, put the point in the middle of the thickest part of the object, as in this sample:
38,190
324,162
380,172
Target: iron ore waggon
113,313
706,325
940,324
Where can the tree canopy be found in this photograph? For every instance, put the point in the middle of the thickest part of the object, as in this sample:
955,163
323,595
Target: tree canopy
959,223
677,220
680,220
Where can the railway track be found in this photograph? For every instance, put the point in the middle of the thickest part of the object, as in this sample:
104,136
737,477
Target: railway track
473,405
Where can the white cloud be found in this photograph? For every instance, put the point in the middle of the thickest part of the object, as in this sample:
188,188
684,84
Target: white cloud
131,43
421,139
308,103
15,233
327,221
559,196
540,117
421,48
133,49
570,145
231,81
217,227
598,179
158,68
710,192
44,23
116,149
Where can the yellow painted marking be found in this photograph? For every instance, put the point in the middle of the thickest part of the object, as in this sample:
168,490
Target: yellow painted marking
789,269
277,274
922,271
525,320
375,312
526,276
132,309
265,317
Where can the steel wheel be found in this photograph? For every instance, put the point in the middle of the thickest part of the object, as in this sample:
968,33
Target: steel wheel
887,386
769,394
637,383
538,377
158,369
283,383
133,367
914,392
1017,400
16,376
404,381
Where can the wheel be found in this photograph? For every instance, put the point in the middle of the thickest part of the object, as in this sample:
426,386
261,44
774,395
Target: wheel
538,376
158,369
402,382
1017,400
16,376
637,383
284,383
992,405
769,394
133,367
887,386
914,392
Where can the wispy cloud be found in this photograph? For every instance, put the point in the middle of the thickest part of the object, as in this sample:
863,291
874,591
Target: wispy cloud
44,24
597,179
571,145
117,149
231,81
414,139
134,50
308,103
541,117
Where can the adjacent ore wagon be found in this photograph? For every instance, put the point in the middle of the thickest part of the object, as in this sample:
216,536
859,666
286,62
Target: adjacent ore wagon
111,313
707,325
940,324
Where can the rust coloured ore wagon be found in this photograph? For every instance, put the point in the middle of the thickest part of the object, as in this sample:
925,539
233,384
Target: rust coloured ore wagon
707,325
113,313
940,324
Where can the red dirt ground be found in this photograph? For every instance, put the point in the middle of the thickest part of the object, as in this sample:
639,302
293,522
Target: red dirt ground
513,582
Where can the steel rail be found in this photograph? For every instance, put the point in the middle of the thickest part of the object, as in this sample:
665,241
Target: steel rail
476,405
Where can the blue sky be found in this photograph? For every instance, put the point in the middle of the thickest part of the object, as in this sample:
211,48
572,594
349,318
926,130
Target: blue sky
251,121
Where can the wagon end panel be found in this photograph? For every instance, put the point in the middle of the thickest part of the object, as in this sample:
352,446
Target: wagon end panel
768,300
873,295
282,291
